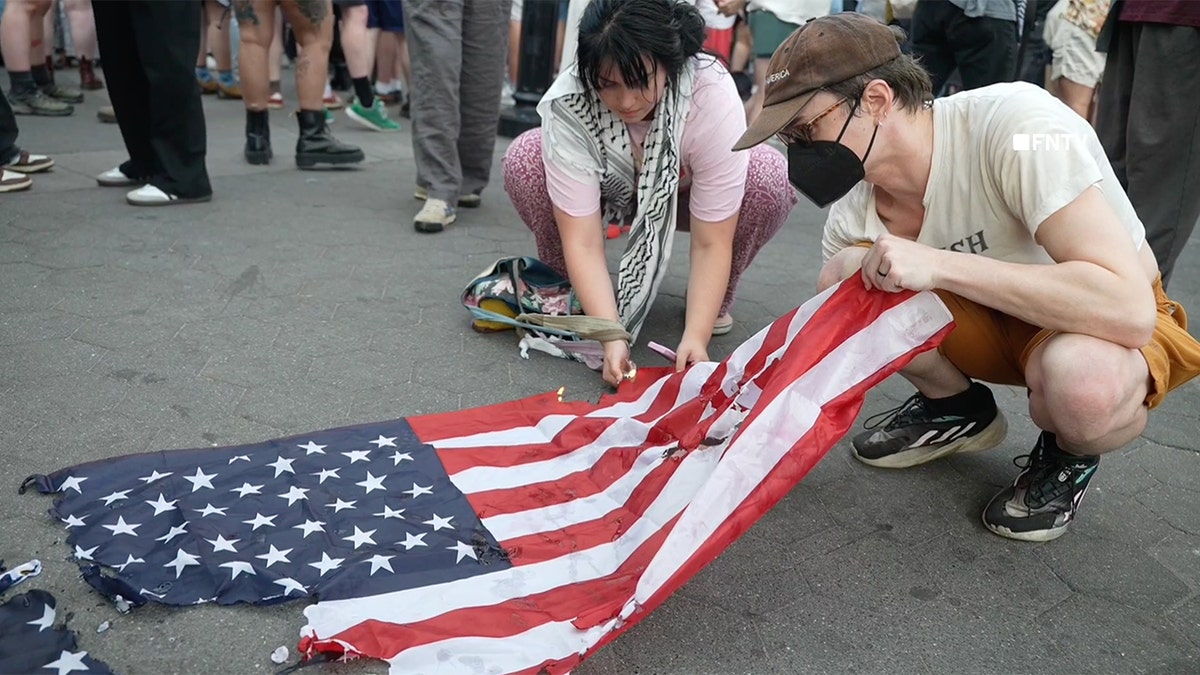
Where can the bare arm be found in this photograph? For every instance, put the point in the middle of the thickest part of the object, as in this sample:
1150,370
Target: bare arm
587,268
708,278
1100,285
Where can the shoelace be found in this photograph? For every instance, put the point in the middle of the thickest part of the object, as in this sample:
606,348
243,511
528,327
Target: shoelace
902,414
1042,486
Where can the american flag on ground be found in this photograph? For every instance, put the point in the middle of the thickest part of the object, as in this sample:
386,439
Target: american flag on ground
513,538
33,639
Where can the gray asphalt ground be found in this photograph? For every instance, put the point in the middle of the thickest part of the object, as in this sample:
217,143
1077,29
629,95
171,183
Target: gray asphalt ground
298,301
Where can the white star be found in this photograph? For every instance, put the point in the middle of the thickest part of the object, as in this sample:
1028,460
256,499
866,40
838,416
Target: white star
294,495
122,527
161,505
260,520
223,544
175,531
183,559
385,441
372,483
201,480
280,465
410,540
209,510
463,550
275,555
129,560
326,473
248,489
85,554
311,448
359,538
326,563
309,527
154,476
290,585
339,505
358,455
47,620
239,458
379,562
438,522
68,662
73,521
72,483
418,490
237,567
388,512
400,457
116,497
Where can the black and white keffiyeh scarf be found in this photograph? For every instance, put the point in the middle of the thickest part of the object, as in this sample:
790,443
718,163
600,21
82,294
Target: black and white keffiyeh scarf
580,134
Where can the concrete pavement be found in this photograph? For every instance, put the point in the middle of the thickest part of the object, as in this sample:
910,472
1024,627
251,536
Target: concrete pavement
298,301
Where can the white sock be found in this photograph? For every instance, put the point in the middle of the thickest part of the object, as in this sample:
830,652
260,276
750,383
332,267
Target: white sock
383,88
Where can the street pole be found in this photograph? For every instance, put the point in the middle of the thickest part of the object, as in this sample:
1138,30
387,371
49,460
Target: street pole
539,27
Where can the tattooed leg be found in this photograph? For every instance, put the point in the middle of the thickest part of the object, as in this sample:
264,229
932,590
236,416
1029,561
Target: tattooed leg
312,22
256,33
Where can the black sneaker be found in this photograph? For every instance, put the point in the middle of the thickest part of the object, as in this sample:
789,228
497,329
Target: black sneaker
916,432
1042,501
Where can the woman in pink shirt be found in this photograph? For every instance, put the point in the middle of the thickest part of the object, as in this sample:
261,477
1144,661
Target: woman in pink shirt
640,130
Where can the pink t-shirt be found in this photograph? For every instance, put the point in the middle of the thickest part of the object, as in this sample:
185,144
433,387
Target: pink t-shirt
714,175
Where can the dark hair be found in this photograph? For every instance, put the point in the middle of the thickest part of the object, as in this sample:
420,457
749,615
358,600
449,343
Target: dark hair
622,32
907,78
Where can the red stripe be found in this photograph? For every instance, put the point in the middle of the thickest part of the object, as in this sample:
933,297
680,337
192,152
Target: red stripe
576,434
605,596
498,417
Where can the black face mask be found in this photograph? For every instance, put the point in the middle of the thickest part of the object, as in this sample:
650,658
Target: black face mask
824,171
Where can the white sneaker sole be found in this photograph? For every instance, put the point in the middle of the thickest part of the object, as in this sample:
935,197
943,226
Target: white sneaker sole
987,439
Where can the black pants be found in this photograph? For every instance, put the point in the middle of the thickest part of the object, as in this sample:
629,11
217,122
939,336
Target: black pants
983,49
150,46
8,131
1148,119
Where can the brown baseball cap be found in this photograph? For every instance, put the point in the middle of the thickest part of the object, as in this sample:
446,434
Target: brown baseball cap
822,52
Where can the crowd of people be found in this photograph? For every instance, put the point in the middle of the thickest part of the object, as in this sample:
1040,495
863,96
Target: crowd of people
1049,223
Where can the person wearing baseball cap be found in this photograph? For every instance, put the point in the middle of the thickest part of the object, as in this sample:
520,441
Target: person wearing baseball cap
1000,200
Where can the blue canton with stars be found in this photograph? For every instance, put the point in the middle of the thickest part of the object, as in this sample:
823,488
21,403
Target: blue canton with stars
341,513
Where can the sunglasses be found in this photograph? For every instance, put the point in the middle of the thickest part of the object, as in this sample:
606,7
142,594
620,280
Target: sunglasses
803,133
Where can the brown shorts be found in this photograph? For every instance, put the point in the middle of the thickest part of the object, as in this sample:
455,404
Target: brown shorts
994,347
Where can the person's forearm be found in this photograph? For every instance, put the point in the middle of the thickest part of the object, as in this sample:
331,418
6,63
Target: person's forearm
1073,296
587,268
707,283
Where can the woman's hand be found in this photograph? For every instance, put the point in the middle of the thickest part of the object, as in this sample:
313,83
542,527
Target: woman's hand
690,351
616,362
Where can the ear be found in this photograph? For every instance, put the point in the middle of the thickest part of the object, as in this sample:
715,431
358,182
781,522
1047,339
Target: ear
877,99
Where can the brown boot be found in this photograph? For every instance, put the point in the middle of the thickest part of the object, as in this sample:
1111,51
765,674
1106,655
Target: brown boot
87,75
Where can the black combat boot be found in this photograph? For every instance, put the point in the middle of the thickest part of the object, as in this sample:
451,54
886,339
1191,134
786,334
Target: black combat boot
317,146
258,137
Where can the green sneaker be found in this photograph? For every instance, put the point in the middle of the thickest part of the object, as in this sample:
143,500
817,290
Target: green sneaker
374,118
329,118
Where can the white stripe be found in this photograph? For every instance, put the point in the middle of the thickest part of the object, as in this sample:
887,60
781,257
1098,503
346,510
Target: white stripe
566,514
752,455
454,656
924,437
760,445
946,436
963,432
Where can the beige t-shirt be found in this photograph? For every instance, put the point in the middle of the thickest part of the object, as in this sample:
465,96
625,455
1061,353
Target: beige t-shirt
1005,157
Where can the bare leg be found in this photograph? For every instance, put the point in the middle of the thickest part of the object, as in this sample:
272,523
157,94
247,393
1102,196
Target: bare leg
275,51
312,21
385,59
514,51
256,21
403,67
358,41
218,35
15,33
